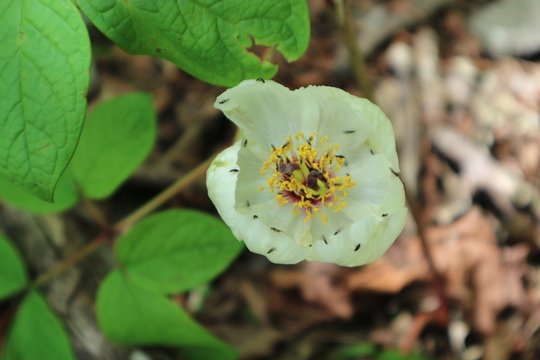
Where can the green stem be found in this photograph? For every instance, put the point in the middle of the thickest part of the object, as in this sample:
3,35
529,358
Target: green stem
164,196
356,57
128,221
70,261
95,212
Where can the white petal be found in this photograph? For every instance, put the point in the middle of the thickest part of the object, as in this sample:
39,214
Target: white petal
221,180
338,247
267,112
262,203
356,124
374,177
259,237
283,220
396,197
250,180
276,246
383,236
322,234
364,241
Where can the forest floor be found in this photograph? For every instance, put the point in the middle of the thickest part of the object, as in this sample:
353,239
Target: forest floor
463,279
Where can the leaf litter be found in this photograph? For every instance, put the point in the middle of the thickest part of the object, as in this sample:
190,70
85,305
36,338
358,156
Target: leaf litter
468,133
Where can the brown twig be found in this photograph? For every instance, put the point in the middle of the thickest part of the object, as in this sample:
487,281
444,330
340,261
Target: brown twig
363,82
359,68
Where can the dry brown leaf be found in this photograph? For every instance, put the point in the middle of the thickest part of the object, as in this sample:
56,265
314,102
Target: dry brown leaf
321,284
402,264
477,274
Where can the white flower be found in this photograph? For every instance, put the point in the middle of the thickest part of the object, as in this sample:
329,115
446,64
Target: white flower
315,178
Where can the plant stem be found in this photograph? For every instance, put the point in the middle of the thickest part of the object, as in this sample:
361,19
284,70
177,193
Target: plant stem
359,69
164,196
95,212
128,221
356,57
72,260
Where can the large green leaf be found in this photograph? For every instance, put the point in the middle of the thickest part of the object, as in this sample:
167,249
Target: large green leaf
117,137
207,38
176,250
12,273
36,333
44,63
129,315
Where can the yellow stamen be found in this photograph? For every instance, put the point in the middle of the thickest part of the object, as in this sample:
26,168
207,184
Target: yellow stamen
310,183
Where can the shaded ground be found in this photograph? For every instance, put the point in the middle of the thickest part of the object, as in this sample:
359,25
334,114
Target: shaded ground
461,282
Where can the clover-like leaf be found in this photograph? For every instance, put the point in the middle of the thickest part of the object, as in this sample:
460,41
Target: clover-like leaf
44,62
130,315
209,39
36,333
176,250
12,272
117,137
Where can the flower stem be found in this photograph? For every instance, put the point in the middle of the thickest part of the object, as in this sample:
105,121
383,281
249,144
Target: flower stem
442,311
72,260
128,221
95,212
359,69
356,57
164,196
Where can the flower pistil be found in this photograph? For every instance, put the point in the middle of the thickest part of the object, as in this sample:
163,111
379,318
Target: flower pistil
307,176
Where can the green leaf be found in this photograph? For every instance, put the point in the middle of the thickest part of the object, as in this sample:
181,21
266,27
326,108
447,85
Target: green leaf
356,351
392,354
117,136
129,315
65,196
36,333
207,38
44,63
176,250
12,273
